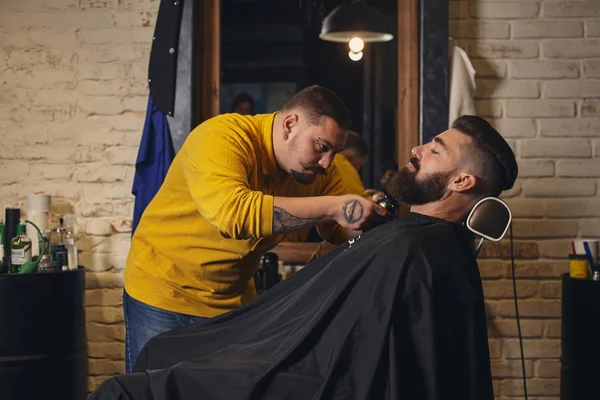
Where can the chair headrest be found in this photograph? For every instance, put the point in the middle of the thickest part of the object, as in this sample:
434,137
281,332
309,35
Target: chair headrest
489,219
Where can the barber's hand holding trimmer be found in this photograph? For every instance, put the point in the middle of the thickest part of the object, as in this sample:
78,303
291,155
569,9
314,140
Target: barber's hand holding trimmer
359,214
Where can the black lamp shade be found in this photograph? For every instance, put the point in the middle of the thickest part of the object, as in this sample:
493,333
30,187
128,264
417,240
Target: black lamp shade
357,19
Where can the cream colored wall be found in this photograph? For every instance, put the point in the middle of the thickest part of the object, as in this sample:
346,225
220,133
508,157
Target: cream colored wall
538,82
73,94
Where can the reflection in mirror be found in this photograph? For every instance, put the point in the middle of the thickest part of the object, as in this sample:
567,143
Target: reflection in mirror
270,49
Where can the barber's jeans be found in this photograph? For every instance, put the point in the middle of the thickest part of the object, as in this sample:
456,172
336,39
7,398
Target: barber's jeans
143,322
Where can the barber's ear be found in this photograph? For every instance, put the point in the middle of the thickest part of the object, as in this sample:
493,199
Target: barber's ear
289,122
463,182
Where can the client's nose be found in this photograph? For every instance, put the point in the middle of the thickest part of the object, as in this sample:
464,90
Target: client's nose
416,152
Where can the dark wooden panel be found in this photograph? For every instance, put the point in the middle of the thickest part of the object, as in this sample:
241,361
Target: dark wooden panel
206,60
407,124
434,69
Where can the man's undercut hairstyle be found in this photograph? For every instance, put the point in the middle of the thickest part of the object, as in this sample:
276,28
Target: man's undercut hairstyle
492,157
357,143
317,102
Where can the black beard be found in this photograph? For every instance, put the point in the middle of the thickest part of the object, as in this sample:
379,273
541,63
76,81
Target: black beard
302,178
404,187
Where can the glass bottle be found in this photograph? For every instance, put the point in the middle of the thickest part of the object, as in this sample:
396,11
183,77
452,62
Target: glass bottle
70,240
20,249
62,260
57,238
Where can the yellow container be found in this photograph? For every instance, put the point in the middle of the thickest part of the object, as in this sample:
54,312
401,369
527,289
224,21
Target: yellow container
579,266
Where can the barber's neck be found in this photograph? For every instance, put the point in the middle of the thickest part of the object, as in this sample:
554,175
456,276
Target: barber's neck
453,208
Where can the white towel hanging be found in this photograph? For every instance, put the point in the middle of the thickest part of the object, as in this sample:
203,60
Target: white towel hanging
462,85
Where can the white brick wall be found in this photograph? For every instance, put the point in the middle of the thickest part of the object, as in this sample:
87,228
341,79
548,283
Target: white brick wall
73,87
538,78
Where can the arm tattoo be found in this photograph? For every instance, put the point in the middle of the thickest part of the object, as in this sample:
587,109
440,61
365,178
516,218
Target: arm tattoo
353,211
284,222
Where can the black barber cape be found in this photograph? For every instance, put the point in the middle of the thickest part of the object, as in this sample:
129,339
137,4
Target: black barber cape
395,314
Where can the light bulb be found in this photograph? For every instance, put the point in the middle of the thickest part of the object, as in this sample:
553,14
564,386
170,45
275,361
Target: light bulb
355,56
356,44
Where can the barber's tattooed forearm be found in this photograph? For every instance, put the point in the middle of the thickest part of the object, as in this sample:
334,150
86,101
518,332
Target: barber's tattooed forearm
284,222
353,211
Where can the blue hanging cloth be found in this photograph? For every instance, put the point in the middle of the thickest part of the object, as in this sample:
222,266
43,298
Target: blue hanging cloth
153,161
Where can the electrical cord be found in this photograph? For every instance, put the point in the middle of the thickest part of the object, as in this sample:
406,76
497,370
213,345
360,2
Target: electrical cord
512,261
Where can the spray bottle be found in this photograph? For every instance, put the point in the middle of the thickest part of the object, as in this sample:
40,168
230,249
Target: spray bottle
70,241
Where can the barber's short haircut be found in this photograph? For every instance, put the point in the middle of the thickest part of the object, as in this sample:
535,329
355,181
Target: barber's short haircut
358,144
317,102
242,98
494,160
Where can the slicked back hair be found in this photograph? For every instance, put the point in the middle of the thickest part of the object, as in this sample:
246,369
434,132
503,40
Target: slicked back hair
493,158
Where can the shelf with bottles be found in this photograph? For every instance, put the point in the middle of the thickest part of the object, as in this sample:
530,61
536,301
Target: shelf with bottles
57,248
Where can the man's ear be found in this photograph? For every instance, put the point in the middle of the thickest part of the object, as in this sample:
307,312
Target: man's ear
289,122
462,182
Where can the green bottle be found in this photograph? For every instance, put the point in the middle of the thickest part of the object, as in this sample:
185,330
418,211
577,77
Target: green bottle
20,249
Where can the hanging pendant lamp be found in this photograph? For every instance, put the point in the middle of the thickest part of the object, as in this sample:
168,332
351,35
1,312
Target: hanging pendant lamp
356,20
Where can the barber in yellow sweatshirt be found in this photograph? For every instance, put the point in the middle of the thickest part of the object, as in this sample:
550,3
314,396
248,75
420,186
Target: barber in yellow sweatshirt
238,185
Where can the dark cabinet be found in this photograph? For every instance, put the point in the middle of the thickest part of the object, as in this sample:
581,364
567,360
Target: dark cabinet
43,352
580,359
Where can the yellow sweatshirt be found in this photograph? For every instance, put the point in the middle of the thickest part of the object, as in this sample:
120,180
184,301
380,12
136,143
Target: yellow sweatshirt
351,177
200,240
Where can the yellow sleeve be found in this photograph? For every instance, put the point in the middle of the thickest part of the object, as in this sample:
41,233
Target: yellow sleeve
353,182
342,179
216,165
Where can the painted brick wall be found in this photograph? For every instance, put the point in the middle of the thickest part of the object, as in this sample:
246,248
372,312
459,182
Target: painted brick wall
538,82
72,101
73,96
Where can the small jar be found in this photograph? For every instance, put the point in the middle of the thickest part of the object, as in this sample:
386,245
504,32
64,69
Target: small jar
45,264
